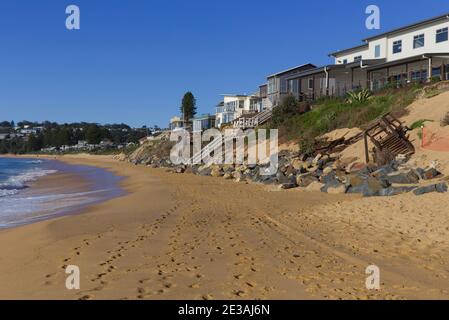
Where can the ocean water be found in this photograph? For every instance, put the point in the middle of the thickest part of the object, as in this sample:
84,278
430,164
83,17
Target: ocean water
22,203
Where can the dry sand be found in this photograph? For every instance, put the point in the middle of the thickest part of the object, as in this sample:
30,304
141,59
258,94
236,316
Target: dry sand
190,237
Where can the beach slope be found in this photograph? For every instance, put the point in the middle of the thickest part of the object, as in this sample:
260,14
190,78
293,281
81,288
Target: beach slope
190,237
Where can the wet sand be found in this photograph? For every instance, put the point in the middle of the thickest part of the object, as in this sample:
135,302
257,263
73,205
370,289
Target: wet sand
190,237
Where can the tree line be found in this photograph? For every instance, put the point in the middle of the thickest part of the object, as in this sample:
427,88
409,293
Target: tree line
57,135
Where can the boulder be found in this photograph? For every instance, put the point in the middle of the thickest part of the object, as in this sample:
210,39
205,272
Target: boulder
439,187
430,173
315,186
393,191
332,183
216,172
288,185
326,178
180,170
355,167
227,176
305,179
340,189
327,170
297,164
404,177
316,159
238,176
369,187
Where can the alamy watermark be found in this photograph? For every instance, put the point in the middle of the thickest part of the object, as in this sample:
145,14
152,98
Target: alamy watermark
252,145
373,20
373,280
73,21
73,280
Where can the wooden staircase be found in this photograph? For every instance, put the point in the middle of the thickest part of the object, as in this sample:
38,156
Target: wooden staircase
389,138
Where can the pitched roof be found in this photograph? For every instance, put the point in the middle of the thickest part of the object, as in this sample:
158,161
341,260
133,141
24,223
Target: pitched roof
410,26
307,65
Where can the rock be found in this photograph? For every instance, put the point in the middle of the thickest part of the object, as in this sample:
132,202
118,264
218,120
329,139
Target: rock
430,173
315,186
290,171
369,187
327,170
228,168
316,159
354,180
355,167
227,176
384,170
297,164
305,179
288,185
180,170
204,171
439,187
340,189
238,176
216,171
331,182
323,161
326,178
393,191
189,169
405,177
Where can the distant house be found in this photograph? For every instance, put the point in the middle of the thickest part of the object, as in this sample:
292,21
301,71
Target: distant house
176,123
235,106
278,84
4,136
203,122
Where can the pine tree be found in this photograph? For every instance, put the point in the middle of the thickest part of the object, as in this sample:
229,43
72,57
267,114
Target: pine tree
188,106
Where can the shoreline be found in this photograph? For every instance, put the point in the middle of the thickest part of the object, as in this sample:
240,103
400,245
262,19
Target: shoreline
67,189
191,237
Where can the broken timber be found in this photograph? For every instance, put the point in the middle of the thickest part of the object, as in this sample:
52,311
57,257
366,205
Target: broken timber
388,137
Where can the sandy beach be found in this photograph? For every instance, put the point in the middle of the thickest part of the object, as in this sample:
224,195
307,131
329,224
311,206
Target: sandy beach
191,237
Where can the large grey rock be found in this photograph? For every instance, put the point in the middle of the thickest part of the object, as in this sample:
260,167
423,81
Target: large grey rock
439,187
369,187
393,191
405,177
430,173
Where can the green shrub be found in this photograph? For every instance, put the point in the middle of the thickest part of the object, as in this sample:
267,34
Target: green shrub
418,124
361,96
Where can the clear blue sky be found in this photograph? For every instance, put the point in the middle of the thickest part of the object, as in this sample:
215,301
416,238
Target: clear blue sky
133,60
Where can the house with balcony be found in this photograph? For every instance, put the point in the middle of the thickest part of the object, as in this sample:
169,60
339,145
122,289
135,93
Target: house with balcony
203,122
234,107
277,84
176,123
416,52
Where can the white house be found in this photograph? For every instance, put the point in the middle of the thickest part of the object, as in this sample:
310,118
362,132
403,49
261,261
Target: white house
235,106
416,52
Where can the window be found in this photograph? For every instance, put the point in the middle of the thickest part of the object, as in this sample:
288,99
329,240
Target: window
441,35
272,86
293,86
345,61
436,72
358,58
397,46
377,51
418,41
310,84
